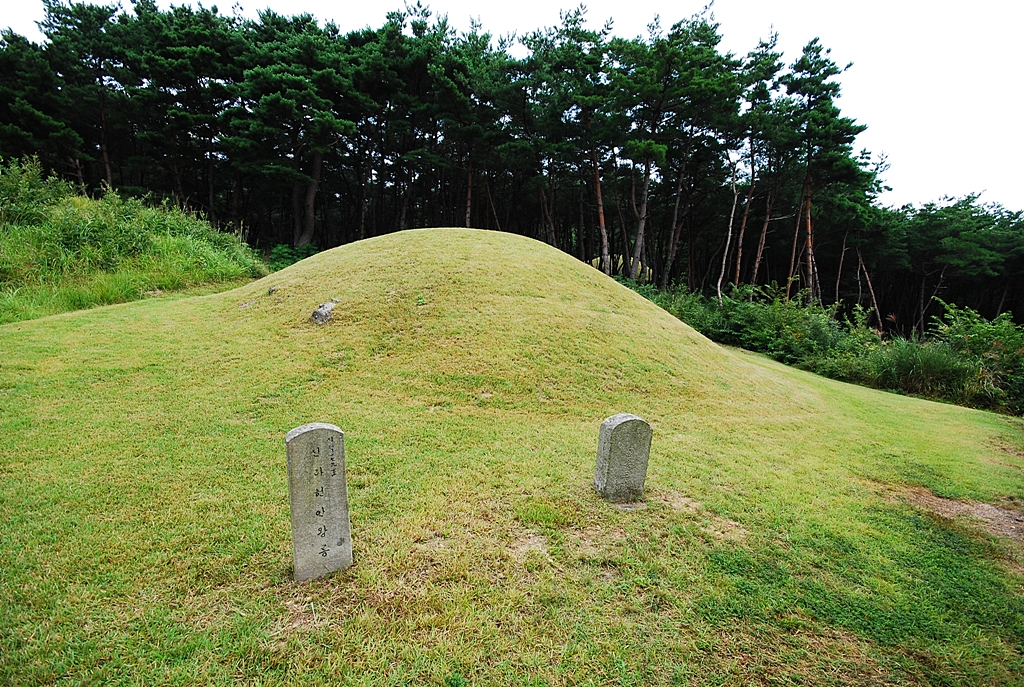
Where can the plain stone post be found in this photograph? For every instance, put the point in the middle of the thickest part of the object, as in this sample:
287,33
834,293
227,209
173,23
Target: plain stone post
321,532
623,448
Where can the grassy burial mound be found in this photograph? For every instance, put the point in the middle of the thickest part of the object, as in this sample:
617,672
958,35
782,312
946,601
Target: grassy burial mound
795,529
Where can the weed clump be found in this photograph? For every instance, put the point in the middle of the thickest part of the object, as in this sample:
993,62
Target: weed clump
282,255
60,251
964,358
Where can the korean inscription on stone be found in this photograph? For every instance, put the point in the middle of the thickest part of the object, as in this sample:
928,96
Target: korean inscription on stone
321,532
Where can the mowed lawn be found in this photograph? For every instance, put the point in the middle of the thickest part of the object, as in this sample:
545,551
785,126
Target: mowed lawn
144,499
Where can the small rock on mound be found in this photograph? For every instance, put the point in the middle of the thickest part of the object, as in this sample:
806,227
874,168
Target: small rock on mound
323,313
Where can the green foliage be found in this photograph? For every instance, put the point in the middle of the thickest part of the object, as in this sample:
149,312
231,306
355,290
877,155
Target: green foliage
25,193
967,359
282,255
762,319
62,252
996,346
929,368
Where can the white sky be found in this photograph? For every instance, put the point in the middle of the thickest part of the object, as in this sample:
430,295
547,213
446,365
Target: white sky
940,84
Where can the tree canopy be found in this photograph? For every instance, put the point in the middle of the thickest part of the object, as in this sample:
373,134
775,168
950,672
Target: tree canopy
660,157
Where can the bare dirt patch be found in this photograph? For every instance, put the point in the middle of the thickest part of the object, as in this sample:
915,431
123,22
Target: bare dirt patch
724,529
594,540
300,616
432,542
1013,453
1003,522
677,501
1006,446
526,544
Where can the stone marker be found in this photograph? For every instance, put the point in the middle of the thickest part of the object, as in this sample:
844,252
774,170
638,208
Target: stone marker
321,532
623,448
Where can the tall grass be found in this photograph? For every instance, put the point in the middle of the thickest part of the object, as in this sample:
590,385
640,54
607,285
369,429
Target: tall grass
60,251
965,359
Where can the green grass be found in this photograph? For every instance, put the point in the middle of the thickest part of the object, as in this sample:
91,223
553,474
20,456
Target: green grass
60,252
144,497
965,358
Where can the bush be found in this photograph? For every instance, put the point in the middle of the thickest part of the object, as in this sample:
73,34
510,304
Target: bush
932,369
283,255
25,195
967,359
762,319
996,345
62,252
703,315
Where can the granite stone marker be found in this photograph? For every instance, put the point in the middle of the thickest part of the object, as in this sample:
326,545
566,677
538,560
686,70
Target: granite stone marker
623,447
321,532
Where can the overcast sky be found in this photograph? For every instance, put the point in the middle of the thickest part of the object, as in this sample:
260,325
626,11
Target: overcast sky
940,84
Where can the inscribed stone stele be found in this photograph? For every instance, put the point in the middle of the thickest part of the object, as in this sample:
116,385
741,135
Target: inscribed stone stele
317,490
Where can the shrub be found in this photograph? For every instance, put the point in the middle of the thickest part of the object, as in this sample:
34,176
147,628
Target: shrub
62,252
703,315
995,345
932,369
283,255
25,194
967,359
762,319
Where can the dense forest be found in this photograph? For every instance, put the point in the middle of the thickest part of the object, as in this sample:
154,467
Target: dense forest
662,158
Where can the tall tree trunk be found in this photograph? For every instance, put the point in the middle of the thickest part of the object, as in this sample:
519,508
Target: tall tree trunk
796,236
179,190
646,264
77,164
236,201
925,304
469,192
296,212
812,265
871,288
796,242
691,262
209,189
305,236
635,263
405,207
839,272
103,141
363,182
620,265
602,228
920,307
487,187
728,235
1002,300
677,228
605,257
860,286
549,220
743,224
764,235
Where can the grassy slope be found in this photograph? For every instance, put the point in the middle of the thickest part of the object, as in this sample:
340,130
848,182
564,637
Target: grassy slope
65,252
144,493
